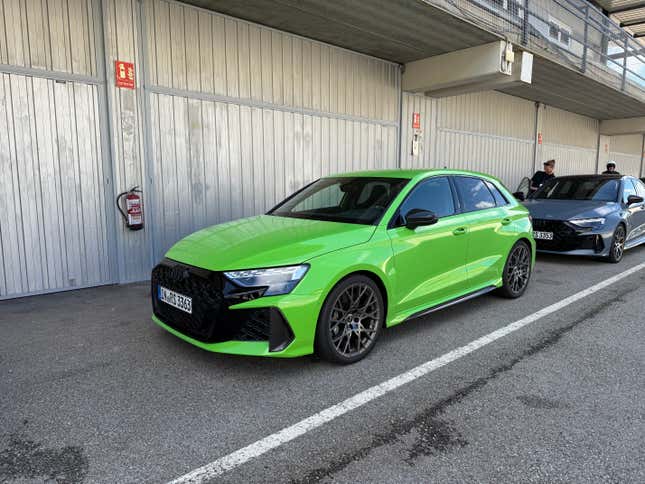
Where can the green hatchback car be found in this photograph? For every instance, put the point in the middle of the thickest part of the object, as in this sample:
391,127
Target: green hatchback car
348,255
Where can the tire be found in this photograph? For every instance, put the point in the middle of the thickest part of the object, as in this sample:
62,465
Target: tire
517,271
350,321
617,248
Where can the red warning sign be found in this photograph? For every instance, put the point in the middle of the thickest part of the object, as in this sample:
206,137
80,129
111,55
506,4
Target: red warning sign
124,74
416,120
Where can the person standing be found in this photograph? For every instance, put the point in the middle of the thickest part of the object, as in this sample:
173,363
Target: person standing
540,177
611,169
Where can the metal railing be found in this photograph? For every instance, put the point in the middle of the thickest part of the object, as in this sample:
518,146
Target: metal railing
574,31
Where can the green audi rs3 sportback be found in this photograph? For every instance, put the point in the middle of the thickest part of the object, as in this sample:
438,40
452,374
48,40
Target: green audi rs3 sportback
328,268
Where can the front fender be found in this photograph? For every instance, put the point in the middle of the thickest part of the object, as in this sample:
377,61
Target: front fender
374,257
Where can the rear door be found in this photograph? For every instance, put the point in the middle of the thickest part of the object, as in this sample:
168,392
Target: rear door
429,261
485,217
637,211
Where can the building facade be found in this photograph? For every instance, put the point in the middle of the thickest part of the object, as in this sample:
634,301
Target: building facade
223,119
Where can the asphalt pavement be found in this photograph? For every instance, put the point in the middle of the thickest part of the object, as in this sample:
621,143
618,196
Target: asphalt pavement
92,391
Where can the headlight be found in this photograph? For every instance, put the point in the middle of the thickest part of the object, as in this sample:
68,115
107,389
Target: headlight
277,280
588,222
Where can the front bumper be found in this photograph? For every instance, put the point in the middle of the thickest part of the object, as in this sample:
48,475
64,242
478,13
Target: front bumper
226,320
571,240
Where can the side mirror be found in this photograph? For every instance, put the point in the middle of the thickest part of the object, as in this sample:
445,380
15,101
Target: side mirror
632,199
520,196
418,218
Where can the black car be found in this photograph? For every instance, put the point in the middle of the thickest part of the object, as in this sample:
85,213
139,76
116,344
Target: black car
597,215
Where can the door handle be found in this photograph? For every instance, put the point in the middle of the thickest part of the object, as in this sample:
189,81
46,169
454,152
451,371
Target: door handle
459,231
506,221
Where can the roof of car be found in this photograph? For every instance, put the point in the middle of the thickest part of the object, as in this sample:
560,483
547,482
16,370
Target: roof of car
408,174
593,175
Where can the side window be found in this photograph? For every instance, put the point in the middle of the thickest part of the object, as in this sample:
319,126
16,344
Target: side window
500,199
640,188
628,189
474,194
433,194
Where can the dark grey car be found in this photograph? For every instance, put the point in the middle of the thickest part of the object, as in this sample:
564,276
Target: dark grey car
597,215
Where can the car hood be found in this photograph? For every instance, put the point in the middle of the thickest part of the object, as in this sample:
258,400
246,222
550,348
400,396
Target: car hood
569,209
266,241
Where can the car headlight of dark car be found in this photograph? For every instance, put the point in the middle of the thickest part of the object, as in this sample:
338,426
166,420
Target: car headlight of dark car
276,280
588,223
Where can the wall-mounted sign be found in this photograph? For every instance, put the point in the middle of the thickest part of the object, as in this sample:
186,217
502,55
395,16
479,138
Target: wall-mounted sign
539,138
124,74
416,120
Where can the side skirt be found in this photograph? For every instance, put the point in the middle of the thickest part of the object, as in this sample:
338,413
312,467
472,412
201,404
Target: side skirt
452,302
635,242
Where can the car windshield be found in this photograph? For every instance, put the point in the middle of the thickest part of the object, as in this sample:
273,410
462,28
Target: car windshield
359,200
599,189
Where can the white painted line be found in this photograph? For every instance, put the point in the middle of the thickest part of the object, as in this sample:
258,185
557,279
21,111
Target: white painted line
239,457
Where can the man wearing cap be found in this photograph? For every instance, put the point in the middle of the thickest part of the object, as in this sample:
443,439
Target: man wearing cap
541,177
611,169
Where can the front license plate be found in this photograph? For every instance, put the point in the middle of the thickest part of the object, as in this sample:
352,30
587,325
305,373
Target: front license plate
542,235
176,300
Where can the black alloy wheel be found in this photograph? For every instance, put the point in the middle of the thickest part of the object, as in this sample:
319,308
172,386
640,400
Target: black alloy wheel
517,271
617,245
351,320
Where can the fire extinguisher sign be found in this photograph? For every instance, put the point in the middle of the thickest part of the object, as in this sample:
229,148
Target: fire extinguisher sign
416,120
124,74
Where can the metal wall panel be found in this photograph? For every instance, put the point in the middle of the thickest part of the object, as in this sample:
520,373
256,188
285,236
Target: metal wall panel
626,163
565,128
487,131
509,159
488,112
53,224
630,143
425,106
570,139
55,231
54,35
570,160
240,116
201,51
215,161
121,23
626,152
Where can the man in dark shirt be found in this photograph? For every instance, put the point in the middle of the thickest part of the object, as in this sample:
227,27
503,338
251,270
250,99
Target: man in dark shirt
611,169
541,177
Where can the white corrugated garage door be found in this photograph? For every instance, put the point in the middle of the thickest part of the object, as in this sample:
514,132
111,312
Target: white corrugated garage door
54,230
241,115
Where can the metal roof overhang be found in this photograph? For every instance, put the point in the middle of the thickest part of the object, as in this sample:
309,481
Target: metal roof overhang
406,30
629,13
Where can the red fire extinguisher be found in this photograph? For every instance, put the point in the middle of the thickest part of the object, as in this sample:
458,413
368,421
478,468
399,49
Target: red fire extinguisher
133,214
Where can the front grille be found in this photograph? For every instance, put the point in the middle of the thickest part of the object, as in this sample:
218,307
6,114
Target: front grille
565,237
211,320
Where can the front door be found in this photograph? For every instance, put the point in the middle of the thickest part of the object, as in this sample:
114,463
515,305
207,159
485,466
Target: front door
429,261
636,210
